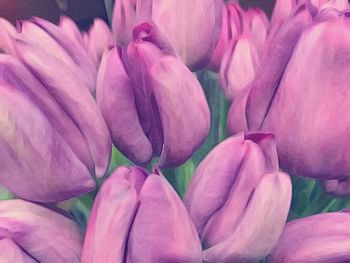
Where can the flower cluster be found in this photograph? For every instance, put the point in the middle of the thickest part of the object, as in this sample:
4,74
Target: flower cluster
70,101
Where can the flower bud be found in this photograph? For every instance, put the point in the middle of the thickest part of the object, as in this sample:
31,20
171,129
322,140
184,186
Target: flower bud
232,199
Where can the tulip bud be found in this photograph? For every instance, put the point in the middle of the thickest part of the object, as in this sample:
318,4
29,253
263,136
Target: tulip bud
236,211
151,102
231,28
68,73
237,23
309,70
139,218
31,233
203,17
319,238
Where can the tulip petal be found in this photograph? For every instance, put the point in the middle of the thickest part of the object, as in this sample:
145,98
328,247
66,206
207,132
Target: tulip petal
46,236
15,74
319,238
183,110
313,96
260,226
11,252
111,217
7,31
203,17
100,37
247,176
68,89
141,56
75,50
238,66
213,179
231,27
116,99
162,230
32,149
123,20
71,29
274,58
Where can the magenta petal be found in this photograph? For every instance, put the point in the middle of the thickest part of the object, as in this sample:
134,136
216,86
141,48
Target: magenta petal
67,86
11,252
32,149
15,74
203,17
112,216
100,37
115,96
43,234
315,82
124,20
7,32
274,59
321,238
261,225
75,50
238,66
162,230
213,180
183,110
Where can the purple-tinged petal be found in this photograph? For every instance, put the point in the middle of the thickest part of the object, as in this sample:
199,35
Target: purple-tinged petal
77,52
11,252
231,27
282,10
238,66
100,37
67,86
256,26
123,21
46,236
247,176
213,179
71,29
321,238
112,216
140,57
313,96
36,163
115,97
203,19
7,31
15,74
339,5
162,230
236,116
183,110
274,58
261,225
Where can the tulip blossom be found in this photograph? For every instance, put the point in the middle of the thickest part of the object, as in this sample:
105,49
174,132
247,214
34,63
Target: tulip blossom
239,56
301,98
139,218
192,27
152,103
231,27
319,238
238,200
55,138
31,233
